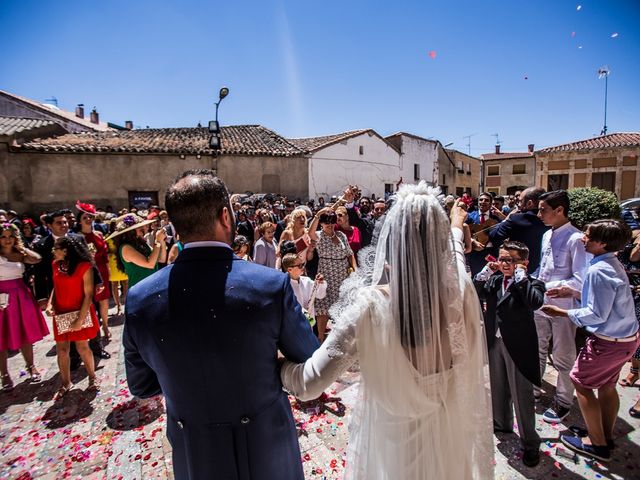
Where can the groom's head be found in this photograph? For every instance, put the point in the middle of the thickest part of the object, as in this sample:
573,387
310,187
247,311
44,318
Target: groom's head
197,202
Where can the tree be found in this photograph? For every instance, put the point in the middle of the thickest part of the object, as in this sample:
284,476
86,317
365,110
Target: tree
590,204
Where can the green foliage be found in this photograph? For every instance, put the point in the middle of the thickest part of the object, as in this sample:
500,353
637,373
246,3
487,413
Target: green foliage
590,204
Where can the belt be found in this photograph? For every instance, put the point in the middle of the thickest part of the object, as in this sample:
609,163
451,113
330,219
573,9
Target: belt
631,338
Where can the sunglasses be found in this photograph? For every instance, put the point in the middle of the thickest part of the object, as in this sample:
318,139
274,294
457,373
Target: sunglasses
507,260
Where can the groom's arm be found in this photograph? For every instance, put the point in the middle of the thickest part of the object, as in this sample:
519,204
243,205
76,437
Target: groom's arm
297,341
142,380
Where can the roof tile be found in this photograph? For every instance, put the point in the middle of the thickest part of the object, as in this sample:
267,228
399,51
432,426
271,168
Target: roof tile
629,139
13,125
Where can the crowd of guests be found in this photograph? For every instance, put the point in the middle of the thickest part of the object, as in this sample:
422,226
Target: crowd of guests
538,278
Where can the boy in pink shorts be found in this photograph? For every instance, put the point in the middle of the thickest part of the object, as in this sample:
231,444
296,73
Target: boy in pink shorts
607,312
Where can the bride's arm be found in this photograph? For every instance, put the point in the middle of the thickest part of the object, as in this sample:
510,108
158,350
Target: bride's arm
308,380
458,216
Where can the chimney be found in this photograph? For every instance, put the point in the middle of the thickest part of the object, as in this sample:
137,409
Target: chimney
128,125
531,145
80,110
94,117
497,148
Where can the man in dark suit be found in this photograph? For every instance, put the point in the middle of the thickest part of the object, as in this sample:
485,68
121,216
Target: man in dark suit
205,332
480,221
524,226
511,297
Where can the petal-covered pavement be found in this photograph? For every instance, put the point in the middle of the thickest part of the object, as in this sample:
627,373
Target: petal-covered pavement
111,435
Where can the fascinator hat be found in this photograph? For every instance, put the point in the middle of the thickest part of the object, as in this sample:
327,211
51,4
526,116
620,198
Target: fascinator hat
86,208
129,222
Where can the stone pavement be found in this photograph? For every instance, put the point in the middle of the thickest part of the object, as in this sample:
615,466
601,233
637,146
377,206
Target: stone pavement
111,435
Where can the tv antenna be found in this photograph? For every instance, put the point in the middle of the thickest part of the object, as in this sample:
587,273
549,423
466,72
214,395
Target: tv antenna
497,138
468,138
52,101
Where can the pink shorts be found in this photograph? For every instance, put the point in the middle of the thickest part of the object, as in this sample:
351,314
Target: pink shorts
600,361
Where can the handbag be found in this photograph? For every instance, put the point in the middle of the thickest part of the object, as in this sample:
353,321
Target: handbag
64,321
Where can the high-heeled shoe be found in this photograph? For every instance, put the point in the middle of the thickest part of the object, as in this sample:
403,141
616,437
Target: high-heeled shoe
7,383
62,391
94,385
34,374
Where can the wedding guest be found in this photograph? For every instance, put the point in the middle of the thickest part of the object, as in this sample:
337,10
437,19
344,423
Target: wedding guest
73,291
118,278
21,321
563,263
335,261
241,247
423,409
305,289
351,232
29,235
135,257
264,250
511,297
608,314
98,247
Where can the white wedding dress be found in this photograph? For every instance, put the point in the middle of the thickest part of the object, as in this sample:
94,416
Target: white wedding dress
414,324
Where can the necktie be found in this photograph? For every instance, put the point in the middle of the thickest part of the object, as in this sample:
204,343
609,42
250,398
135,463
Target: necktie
481,218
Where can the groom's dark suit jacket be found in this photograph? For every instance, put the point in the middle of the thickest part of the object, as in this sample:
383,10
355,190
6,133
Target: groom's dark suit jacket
513,314
205,332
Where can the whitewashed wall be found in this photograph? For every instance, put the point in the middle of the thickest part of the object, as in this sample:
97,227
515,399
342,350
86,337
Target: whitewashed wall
422,152
332,168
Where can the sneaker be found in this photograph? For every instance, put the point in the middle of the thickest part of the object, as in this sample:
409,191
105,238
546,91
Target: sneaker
531,458
601,453
555,414
583,432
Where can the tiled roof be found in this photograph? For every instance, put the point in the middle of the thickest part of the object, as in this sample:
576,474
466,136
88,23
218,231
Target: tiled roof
57,112
630,139
235,140
506,155
311,144
13,125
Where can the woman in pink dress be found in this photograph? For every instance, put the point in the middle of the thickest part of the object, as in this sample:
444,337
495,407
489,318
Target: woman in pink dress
21,321
98,247
352,233
73,291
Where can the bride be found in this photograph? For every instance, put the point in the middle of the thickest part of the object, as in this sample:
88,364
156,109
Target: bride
414,324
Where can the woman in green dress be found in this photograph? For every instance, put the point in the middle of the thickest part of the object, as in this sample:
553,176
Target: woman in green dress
135,257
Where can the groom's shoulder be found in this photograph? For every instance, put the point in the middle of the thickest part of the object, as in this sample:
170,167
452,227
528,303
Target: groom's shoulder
253,275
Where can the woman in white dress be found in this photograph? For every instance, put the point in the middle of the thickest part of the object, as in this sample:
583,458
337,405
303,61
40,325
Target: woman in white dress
414,324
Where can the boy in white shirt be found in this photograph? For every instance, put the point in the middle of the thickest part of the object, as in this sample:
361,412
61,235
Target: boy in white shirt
305,289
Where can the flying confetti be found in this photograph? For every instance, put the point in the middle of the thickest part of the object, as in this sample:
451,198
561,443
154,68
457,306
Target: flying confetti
526,78
614,35
573,34
432,54
580,47
579,7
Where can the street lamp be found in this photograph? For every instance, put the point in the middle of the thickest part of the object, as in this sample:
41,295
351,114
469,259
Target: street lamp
214,126
603,72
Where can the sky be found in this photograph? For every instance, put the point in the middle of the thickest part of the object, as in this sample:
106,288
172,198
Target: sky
526,71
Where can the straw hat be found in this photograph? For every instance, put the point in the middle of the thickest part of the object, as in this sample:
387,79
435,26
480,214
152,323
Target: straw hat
128,222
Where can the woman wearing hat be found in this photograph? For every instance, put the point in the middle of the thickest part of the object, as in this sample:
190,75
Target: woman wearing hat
98,247
135,257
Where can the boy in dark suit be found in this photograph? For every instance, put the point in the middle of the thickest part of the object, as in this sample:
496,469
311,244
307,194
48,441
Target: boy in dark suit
511,297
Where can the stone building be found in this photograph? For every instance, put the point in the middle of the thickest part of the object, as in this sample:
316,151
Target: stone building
503,173
467,173
609,162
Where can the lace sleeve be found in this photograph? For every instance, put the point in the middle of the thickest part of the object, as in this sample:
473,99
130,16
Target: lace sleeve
308,380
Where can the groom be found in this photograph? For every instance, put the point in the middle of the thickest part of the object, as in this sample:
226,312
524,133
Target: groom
205,333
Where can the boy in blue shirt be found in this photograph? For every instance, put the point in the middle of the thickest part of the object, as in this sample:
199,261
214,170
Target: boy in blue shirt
607,312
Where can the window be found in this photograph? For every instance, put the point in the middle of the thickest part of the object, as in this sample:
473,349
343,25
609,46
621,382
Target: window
459,191
460,167
468,190
416,171
495,191
519,169
361,149
468,169
493,170
388,188
558,182
604,180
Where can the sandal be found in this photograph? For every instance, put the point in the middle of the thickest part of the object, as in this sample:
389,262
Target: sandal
62,391
94,385
34,374
7,383
631,379
106,333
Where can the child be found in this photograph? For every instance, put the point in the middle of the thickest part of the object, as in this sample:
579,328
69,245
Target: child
607,313
306,290
511,297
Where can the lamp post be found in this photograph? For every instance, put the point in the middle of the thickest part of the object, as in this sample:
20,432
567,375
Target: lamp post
214,126
604,73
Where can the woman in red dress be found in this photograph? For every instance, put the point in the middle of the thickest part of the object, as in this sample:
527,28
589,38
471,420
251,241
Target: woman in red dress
73,291
352,233
98,247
